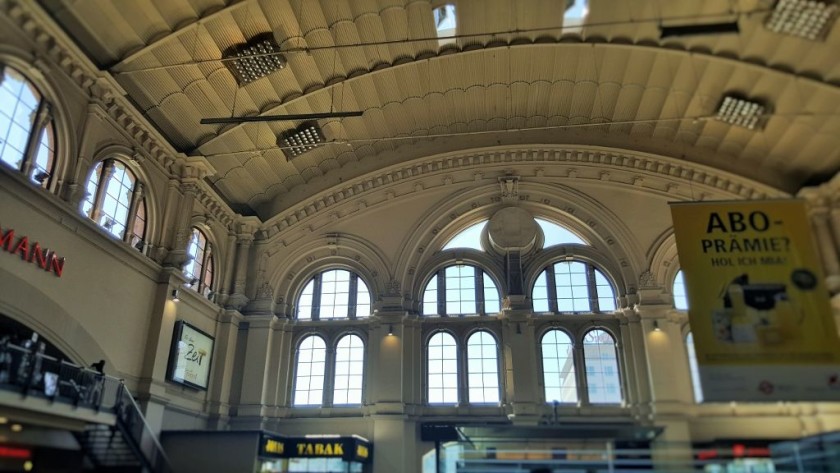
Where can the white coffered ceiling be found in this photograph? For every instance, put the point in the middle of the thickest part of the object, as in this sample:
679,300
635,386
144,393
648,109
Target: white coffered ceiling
514,76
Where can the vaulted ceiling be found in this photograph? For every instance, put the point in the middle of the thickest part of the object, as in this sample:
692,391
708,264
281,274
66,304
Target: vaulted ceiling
515,75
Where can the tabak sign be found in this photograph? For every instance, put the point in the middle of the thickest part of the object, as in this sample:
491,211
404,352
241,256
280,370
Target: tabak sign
31,252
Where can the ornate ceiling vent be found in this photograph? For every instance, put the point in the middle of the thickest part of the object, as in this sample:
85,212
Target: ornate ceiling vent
741,112
304,138
807,19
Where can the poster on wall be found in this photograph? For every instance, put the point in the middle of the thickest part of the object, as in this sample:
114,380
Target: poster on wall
190,356
758,306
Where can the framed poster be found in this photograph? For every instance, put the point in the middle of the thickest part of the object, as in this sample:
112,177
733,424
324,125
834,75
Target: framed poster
190,356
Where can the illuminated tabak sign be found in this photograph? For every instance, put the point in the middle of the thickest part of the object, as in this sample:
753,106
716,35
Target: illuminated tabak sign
31,252
347,448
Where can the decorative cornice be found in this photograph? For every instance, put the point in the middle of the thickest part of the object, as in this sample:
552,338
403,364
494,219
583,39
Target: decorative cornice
700,182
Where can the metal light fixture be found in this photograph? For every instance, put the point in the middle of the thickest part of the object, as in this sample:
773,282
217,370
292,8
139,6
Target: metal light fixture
304,138
390,330
740,112
175,297
255,60
656,326
807,19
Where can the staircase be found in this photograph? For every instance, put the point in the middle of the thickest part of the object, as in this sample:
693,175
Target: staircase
106,449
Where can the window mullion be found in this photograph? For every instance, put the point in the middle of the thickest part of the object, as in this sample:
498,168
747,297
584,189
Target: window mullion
551,289
580,373
591,289
208,253
441,292
108,167
40,119
329,376
351,297
136,195
463,397
316,298
479,292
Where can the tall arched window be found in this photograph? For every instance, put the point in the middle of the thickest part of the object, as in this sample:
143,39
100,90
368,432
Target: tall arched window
200,268
558,367
309,373
573,286
115,199
349,370
334,294
602,378
693,369
482,369
27,136
442,362
680,299
461,290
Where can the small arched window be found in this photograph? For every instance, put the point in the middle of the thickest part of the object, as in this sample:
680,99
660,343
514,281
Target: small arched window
680,298
470,237
602,378
573,287
27,133
200,267
334,294
461,290
693,369
446,24
309,372
442,363
556,235
349,370
482,369
115,201
558,367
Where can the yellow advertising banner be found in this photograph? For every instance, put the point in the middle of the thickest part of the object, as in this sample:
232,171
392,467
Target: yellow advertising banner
758,306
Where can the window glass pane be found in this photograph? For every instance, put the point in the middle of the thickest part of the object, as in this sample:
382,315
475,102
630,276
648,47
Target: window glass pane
539,296
44,157
606,295
117,199
558,367
195,250
693,369
362,299
445,24
92,185
305,301
139,228
602,377
442,361
460,290
492,302
468,238
557,235
430,297
349,370
335,290
18,104
309,378
483,370
680,298
571,287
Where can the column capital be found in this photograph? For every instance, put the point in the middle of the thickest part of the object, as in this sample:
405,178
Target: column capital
195,168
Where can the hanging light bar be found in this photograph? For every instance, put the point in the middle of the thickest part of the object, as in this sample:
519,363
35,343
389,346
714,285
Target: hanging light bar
807,19
740,112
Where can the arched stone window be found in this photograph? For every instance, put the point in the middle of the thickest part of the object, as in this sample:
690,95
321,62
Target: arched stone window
442,369
27,131
558,367
115,201
680,298
603,382
201,267
349,370
310,371
459,290
573,287
482,368
334,294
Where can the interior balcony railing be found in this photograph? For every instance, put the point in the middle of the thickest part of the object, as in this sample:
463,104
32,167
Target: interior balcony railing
128,445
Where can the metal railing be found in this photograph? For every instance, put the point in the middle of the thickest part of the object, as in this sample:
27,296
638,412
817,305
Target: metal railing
28,370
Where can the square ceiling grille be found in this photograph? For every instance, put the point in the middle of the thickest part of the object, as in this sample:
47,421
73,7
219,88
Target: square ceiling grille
803,18
306,137
254,60
741,112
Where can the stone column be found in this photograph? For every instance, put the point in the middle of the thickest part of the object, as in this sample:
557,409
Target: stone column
42,117
244,240
104,177
193,170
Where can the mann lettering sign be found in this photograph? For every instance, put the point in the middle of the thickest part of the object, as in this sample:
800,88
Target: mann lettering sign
31,252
